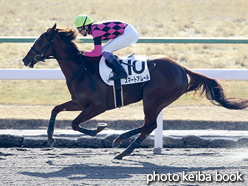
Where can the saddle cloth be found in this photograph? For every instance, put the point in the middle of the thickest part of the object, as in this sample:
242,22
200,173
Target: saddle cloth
136,69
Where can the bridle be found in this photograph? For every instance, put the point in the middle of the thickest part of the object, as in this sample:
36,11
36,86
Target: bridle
40,55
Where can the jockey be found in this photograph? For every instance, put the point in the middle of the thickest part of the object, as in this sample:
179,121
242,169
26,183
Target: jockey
119,33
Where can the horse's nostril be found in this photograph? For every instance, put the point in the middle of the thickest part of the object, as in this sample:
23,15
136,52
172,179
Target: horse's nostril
25,61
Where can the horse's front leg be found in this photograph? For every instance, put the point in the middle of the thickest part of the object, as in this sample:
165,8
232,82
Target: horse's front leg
68,106
89,112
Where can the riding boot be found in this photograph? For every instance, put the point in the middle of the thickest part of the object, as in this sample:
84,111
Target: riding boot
117,68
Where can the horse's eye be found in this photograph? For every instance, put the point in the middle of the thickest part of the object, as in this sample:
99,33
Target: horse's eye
40,42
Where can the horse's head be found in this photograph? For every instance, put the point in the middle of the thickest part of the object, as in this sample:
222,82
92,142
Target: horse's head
41,48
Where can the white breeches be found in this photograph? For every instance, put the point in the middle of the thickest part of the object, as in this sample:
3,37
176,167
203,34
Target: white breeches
129,37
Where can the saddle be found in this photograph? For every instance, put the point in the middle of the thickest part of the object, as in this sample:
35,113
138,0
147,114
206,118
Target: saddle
119,59
136,68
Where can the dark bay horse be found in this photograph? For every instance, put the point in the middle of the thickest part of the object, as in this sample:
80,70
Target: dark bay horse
168,82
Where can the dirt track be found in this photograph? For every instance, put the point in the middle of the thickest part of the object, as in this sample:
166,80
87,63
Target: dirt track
75,166
87,166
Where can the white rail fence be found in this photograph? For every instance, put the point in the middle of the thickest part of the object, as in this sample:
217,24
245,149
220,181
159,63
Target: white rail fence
56,74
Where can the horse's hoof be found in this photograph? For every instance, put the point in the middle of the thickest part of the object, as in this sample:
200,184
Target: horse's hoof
117,158
51,142
115,145
101,126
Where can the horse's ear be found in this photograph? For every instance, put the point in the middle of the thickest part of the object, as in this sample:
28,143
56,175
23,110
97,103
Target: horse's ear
51,30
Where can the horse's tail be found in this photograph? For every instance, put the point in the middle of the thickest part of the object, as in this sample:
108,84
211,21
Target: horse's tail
213,91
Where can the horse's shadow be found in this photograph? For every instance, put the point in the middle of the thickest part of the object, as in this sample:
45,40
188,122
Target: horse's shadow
100,171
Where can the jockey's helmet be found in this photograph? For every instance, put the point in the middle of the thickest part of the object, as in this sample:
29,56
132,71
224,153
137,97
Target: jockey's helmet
82,20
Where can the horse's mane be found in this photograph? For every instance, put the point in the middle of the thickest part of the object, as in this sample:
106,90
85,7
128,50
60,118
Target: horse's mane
68,35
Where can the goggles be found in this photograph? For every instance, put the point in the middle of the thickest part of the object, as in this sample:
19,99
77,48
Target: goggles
80,28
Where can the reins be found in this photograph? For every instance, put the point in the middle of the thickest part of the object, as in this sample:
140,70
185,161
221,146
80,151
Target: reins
78,71
46,48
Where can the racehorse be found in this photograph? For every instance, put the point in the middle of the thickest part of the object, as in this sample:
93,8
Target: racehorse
89,94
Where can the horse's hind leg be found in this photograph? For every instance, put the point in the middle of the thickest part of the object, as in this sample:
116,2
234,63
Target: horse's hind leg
68,106
149,125
151,112
146,129
117,141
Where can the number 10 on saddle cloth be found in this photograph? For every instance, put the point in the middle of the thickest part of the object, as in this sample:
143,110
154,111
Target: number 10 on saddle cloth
135,66
137,70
